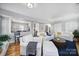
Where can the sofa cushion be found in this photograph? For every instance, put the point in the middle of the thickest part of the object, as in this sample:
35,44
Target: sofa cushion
67,36
49,37
27,38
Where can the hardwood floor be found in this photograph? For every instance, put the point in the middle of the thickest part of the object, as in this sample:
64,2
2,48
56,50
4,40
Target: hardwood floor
14,49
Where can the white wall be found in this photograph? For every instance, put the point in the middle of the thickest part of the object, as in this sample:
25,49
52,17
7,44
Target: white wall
6,25
0,25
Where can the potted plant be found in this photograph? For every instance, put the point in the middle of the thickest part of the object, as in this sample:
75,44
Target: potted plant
76,34
1,46
4,38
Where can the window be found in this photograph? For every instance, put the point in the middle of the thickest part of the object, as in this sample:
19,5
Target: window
58,27
71,26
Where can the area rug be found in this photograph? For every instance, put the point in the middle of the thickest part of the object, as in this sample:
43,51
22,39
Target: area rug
68,50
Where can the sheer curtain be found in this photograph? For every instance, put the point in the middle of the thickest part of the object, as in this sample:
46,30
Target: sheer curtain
71,26
58,27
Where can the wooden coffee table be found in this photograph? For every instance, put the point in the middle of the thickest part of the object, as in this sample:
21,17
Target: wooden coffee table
59,42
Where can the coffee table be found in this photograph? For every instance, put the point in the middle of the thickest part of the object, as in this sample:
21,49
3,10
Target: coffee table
60,42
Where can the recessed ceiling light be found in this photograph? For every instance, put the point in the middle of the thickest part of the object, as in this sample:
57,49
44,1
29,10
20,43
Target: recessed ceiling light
31,5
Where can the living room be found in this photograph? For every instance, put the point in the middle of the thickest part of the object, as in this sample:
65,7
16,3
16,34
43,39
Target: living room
46,25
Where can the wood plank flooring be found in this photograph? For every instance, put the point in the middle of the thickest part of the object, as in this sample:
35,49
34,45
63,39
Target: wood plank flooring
13,50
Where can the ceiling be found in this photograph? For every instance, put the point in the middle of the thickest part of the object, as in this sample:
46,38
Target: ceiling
42,12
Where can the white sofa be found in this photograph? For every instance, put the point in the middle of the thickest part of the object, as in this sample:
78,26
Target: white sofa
49,37
49,49
24,42
46,37
4,48
67,36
